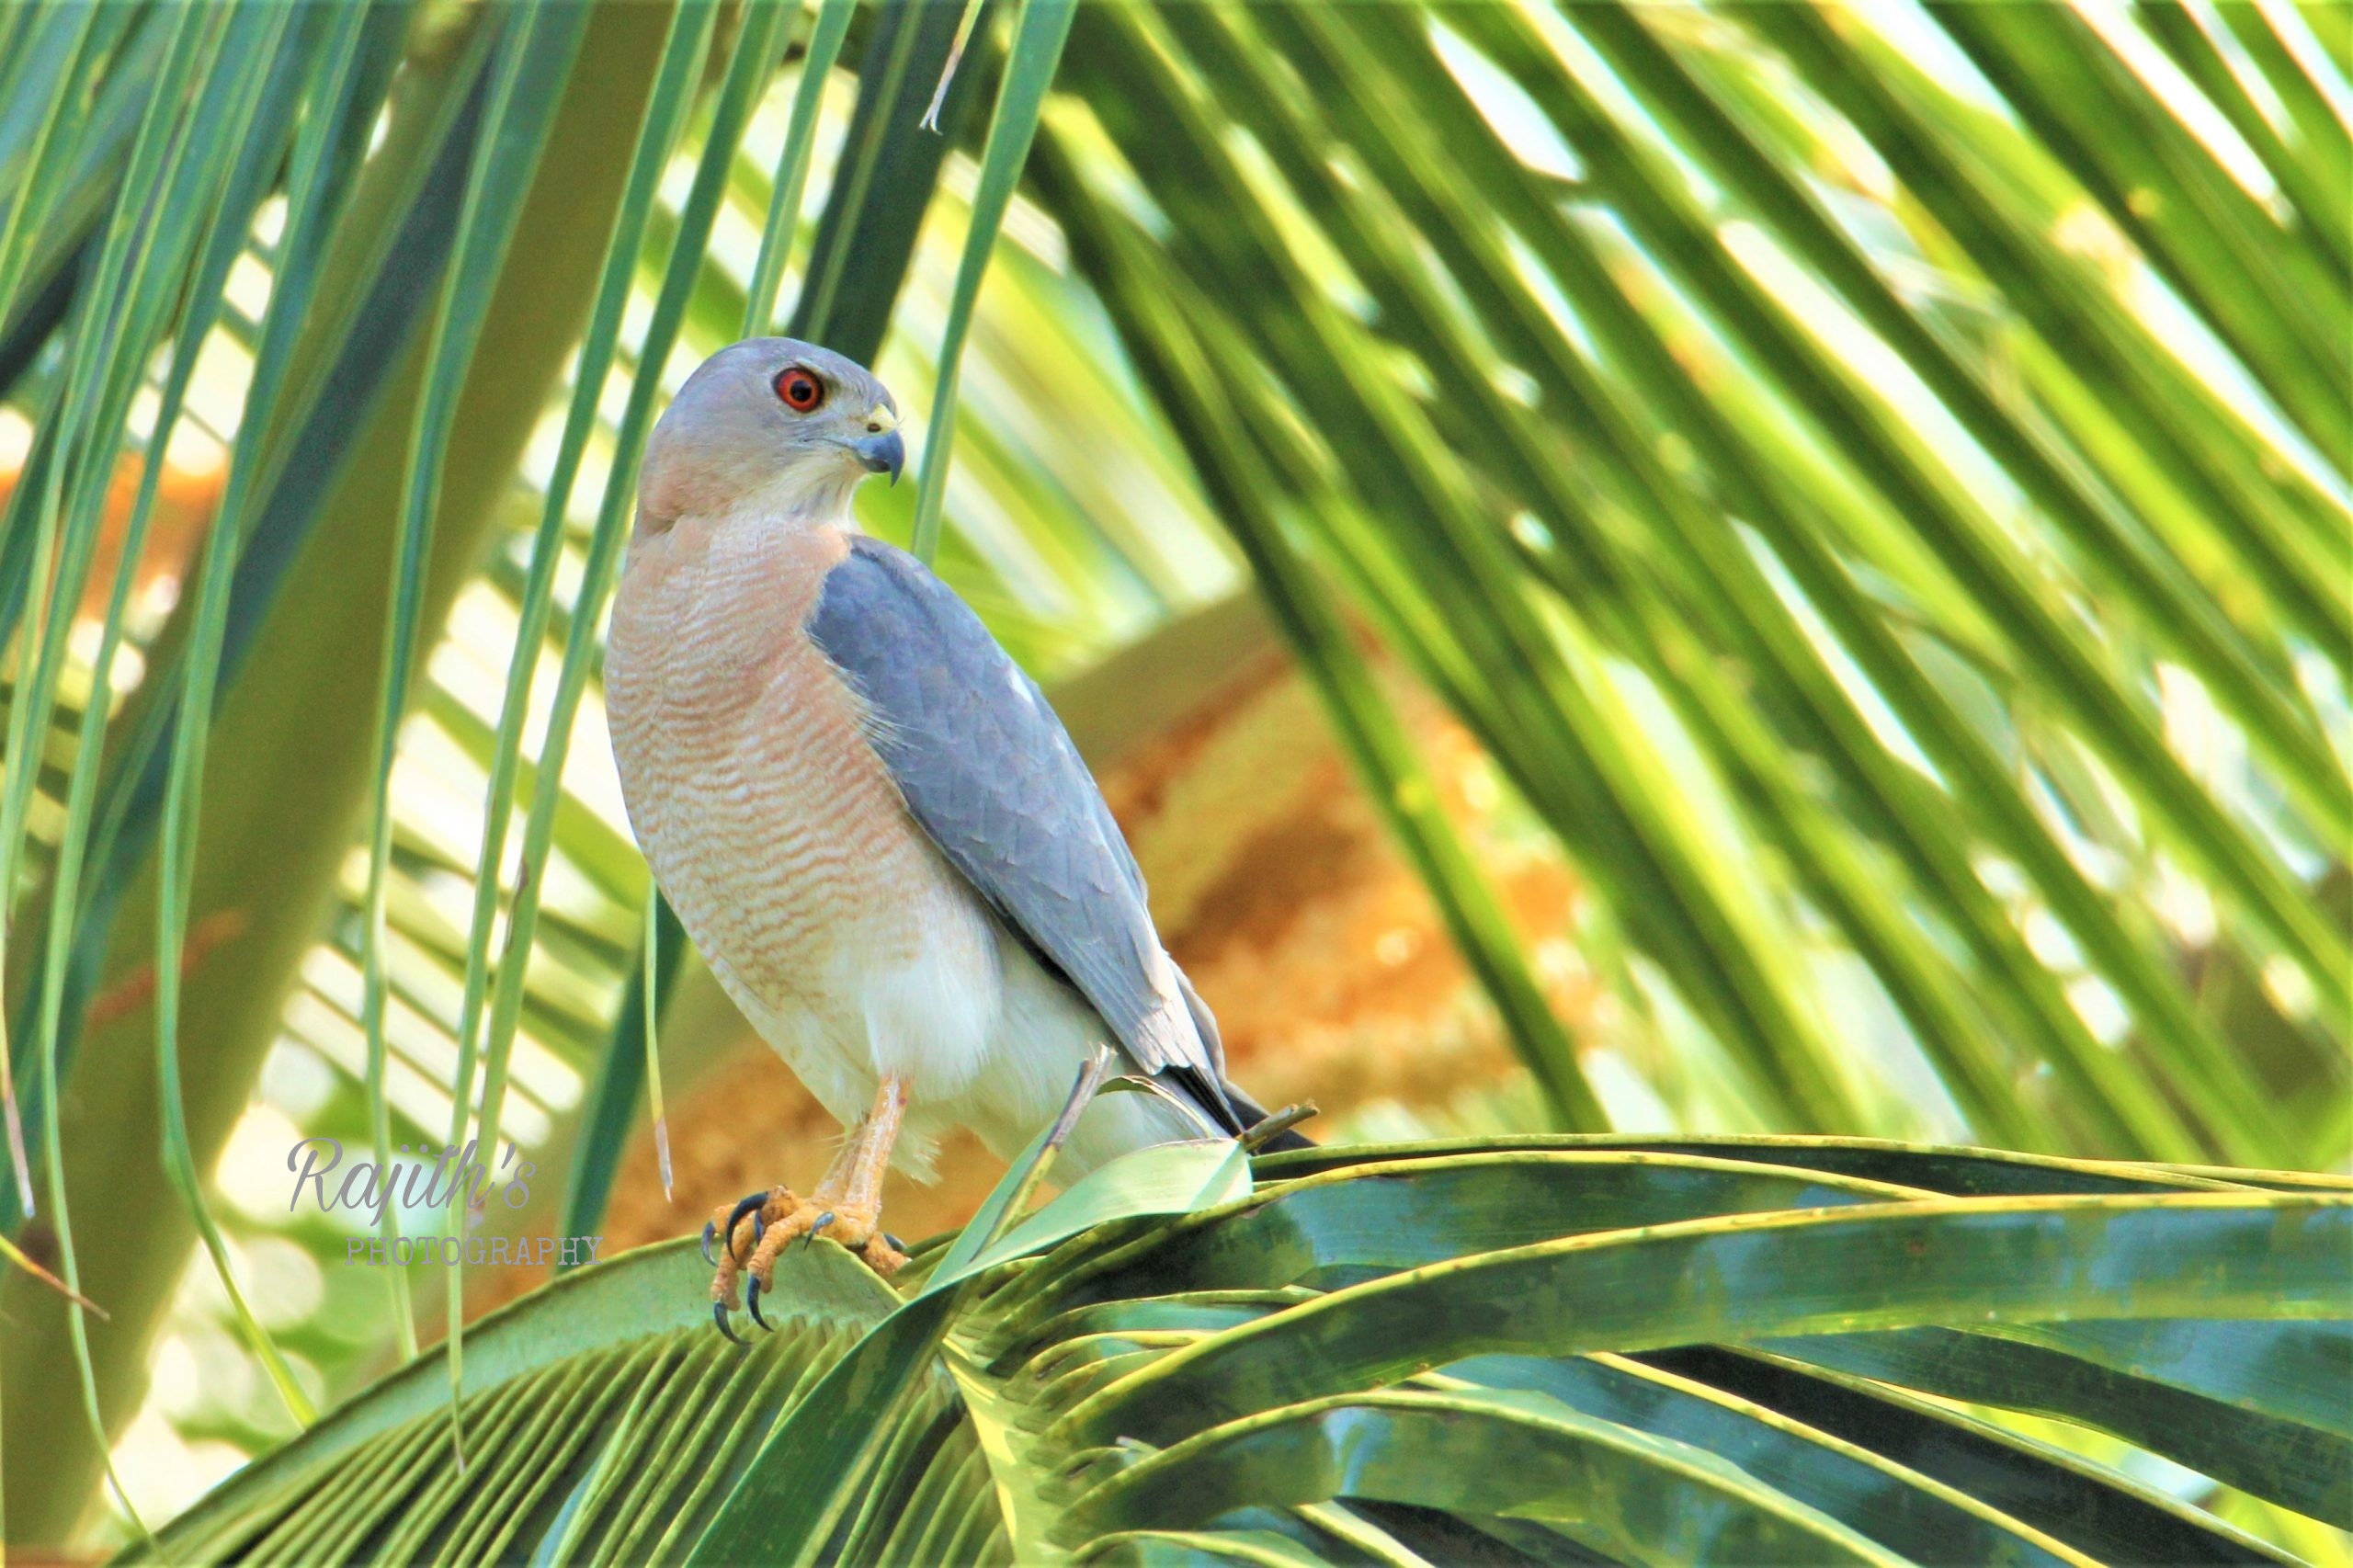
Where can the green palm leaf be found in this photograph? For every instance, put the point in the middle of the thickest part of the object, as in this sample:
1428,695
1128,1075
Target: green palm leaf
1291,1372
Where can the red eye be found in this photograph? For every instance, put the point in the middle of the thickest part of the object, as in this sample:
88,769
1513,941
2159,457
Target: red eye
799,390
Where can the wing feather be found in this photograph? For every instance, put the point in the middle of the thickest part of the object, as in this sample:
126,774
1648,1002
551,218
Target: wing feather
992,776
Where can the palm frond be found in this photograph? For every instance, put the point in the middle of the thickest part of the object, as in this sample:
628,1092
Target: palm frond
1708,1350
1620,530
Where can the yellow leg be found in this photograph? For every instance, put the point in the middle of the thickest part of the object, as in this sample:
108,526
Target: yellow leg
847,1207
855,1178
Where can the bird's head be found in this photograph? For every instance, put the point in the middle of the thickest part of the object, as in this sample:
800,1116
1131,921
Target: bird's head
772,423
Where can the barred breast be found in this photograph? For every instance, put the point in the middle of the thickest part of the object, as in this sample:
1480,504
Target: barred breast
774,828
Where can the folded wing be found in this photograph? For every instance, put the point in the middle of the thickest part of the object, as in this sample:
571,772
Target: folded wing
988,769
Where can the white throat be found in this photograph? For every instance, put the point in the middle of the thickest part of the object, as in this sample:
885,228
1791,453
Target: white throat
807,495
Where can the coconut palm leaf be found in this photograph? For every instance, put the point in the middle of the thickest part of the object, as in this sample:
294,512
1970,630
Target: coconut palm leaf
1368,276
1717,1350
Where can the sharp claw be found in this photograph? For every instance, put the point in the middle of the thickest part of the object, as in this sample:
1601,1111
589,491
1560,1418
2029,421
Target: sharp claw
896,1244
719,1317
819,1224
710,1229
735,1217
752,1299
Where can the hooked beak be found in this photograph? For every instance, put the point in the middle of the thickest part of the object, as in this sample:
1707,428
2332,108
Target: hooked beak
884,453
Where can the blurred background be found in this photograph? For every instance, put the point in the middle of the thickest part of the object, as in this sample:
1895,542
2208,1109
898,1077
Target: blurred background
1704,567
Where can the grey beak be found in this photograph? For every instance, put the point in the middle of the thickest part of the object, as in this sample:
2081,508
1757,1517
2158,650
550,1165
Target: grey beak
884,453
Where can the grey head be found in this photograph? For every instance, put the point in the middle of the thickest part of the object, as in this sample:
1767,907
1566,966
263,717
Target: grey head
773,423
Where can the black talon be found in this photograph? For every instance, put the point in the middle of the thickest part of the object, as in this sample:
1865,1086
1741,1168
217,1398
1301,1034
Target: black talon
709,1229
821,1222
896,1244
735,1217
752,1299
719,1317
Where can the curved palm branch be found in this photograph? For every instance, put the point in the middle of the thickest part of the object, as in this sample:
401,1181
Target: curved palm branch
1561,1349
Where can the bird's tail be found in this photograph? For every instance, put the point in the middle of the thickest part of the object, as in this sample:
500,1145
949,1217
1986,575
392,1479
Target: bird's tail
1225,1099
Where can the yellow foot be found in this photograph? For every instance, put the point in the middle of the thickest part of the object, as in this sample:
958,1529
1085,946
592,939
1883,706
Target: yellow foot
760,1227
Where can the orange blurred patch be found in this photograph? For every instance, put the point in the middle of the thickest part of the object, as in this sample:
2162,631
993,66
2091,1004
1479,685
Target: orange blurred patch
187,493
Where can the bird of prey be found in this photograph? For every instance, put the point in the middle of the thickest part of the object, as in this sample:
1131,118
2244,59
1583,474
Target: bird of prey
874,826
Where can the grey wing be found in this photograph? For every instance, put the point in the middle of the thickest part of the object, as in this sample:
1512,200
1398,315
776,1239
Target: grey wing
988,769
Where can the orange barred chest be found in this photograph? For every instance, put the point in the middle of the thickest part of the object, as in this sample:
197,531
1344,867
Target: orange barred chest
769,821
